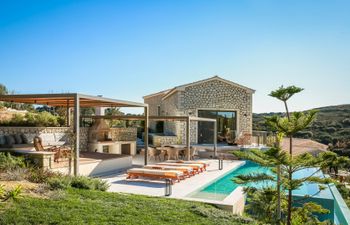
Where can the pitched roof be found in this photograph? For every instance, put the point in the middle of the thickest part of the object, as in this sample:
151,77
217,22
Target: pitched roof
169,92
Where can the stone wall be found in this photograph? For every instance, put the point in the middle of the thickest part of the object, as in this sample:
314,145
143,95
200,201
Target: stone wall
124,134
153,103
218,95
159,140
210,95
49,135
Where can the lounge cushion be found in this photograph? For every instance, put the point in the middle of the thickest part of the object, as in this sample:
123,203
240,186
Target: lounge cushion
24,139
2,140
10,140
193,165
165,167
188,162
156,172
18,138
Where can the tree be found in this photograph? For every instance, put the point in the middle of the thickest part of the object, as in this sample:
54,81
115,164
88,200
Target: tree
283,164
284,94
3,90
115,111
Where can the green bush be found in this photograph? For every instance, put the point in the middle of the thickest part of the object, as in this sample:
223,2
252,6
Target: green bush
56,183
34,119
12,194
17,174
100,185
38,175
9,162
82,182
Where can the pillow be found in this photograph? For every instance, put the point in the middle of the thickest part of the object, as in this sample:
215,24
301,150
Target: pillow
18,138
10,140
24,139
2,140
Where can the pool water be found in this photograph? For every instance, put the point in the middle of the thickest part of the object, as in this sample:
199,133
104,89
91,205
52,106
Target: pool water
221,188
224,186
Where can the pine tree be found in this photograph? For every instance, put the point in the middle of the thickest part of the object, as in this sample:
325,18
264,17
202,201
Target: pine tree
284,164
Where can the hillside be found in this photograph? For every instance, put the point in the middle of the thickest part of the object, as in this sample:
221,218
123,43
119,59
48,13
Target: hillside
332,125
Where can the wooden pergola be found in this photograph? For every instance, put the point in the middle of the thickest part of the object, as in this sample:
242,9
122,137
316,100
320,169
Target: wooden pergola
77,101
186,119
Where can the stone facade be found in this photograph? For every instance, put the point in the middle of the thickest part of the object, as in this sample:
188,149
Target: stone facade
50,135
124,134
159,140
210,94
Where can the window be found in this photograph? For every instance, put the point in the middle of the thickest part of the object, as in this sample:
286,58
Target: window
226,125
158,110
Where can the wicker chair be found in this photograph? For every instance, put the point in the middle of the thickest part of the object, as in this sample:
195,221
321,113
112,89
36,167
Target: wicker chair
155,153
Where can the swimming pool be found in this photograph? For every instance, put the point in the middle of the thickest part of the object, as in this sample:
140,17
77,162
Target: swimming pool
329,198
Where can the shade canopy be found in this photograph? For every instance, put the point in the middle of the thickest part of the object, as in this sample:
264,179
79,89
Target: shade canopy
67,100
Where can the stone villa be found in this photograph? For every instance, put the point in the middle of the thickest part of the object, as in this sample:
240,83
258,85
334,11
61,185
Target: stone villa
228,102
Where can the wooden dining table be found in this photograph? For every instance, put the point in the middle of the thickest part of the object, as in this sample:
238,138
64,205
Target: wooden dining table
171,155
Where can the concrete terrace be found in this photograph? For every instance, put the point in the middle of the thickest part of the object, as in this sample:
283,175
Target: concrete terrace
181,190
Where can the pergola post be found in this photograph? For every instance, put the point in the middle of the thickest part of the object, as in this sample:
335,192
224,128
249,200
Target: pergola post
76,133
188,141
146,134
68,114
215,139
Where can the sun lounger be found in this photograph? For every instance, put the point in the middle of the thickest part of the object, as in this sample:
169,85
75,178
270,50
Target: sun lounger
187,170
197,167
205,164
174,175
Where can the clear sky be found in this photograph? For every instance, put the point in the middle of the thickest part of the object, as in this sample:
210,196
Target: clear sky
127,49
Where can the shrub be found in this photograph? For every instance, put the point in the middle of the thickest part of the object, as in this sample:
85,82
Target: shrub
36,119
82,182
37,175
346,122
2,191
304,134
16,174
9,162
13,194
60,182
325,139
212,212
331,129
100,185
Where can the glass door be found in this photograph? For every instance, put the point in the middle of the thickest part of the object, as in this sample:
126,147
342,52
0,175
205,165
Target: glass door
226,126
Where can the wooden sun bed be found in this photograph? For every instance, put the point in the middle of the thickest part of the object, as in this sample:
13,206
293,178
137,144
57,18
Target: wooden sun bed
196,167
187,170
205,164
173,175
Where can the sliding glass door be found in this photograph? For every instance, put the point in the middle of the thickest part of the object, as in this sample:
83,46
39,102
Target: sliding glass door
226,126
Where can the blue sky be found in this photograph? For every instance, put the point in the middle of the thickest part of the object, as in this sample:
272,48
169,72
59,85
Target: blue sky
127,49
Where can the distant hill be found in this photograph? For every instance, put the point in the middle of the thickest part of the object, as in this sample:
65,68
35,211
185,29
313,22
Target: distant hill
332,125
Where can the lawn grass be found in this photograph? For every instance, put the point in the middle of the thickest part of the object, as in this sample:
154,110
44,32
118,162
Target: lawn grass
75,206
